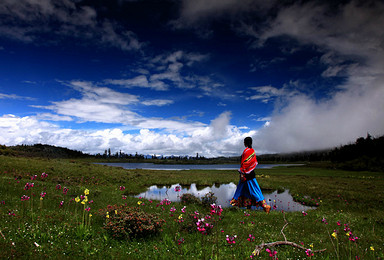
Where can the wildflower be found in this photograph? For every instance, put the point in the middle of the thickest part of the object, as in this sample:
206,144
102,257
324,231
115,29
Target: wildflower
33,177
90,215
44,175
65,190
42,195
180,217
304,213
231,239
173,209
122,188
372,248
24,198
311,245
338,223
251,238
123,197
28,185
183,209
58,187
115,211
180,241
309,252
324,220
270,252
177,188
61,203
87,209
139,202
86,192
334,234
107,215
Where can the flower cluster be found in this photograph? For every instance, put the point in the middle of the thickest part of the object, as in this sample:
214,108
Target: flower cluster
177,188
24,198
309,252
231,239
65,190
251,238
203,227
271,253
28,185
216,209
122,188
44,175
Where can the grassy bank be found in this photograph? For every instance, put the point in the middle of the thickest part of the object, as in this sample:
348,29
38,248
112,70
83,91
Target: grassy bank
54,223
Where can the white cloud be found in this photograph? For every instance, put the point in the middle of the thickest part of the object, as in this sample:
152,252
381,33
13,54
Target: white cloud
352,41
13,96
217,139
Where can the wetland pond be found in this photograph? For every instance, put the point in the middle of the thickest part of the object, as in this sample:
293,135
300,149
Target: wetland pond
224,193
179,167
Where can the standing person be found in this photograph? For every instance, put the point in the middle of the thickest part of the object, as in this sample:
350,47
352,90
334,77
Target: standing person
248,191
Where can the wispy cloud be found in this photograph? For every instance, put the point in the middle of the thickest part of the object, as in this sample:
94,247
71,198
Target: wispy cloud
31,21
16,97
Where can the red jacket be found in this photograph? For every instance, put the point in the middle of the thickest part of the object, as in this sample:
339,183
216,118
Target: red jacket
248,160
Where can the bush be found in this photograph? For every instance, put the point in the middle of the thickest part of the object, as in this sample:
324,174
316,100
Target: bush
187,198
209,199
124,222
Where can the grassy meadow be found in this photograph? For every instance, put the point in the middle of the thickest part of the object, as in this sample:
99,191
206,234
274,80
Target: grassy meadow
65,209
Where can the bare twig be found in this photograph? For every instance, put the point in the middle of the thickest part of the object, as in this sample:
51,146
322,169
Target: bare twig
280,243
285,242
2,235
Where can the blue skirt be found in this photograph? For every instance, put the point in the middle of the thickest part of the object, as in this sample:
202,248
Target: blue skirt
247,194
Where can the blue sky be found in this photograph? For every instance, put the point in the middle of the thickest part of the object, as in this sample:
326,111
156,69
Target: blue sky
190,76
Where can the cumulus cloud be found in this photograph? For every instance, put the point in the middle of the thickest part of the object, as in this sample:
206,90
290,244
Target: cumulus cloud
351,38
216,139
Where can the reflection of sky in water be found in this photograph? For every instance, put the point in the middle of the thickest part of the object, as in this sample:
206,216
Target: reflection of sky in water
224,193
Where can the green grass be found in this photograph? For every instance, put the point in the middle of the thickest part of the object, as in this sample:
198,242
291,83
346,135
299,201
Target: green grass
42,228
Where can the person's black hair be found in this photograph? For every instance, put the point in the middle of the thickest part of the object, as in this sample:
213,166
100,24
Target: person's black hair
248,141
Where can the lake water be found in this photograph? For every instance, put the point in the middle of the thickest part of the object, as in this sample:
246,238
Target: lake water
224,193
152,166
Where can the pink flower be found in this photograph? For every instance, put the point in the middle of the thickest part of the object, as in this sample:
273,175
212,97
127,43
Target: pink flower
304,213
24,198
122,188
309,252
271,253
180,241
231,239
28,185
65,190
87,209
177,188
44,175
33,177
58,187
42,195
251,238
183,209
61,203
173,209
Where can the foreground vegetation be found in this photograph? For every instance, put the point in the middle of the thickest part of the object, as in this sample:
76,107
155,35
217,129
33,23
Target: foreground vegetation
72,209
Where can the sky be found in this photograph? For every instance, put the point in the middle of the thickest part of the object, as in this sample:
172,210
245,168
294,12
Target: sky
181,77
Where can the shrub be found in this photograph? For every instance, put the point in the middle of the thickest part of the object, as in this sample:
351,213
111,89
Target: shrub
124,222
209,199
187,198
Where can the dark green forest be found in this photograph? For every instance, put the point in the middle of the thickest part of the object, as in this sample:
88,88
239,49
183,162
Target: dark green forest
364,154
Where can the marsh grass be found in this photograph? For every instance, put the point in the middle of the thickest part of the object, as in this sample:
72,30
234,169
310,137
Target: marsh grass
47,227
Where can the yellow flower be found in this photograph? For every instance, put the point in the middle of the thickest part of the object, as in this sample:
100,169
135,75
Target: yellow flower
86,192
347,234
90,215
77,199
107,216
139,202
181,216
311,245
83,202
116,211
372,248
41,198
334,234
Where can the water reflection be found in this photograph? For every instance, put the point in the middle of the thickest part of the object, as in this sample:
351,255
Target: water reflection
224,193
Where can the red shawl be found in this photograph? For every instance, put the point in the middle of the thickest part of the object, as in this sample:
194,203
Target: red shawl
248,160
